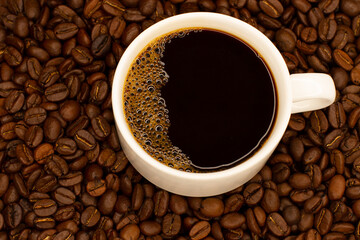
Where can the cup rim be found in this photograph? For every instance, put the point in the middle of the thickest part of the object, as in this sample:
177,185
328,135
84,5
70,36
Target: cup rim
147,36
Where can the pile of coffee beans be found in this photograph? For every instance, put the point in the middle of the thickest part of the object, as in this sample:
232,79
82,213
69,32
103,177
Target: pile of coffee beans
64,176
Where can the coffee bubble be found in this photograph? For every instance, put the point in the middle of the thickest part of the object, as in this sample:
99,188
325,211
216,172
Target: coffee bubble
145,109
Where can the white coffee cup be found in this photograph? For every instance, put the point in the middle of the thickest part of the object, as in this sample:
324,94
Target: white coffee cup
295,93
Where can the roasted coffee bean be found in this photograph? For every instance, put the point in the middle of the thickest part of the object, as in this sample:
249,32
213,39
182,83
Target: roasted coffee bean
300,181
65,146
96,187
253,193
45,207
273,8
15,101
46,183
56,92
343,60
33,136
277,225
82,55
101,126
232,220
44,222
333,139
12,215
90,216
200,230
65,31
101,45
319,121
70,179
84,140
12,56
35,115
171,225
336,115
107,202
64,196
323,221
49,76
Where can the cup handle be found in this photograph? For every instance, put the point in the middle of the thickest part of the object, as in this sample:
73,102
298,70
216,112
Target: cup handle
311,91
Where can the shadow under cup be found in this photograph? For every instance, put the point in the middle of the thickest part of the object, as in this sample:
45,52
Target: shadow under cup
226,179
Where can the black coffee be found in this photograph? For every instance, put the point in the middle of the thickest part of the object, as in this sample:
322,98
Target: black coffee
200,99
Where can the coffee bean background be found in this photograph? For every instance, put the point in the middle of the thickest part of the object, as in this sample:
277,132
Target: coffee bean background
63,174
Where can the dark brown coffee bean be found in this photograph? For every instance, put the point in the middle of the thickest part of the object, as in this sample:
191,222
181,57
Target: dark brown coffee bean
101,45
323,221
336,115
101,126
281,173
85,140
32,9
113,7
300,181
56,92
319,121
212,207
45,207
49,76
107,202
273,8
12,56
328,7
324,53
65,146
39,53
309,34
46,183
253,193
200,230
291,214
5,183
64,31
96,187
35,115
327,29
15,101
130,33
33,136
301,5
333,139
64,213
171,224
82,55
343,60
90,216
277,225
44,222
150,228
70,179
232,220
338,160
70,110
12,215
99,91
131,231
52,129
64,196
300,196
161,201
270,201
